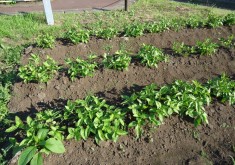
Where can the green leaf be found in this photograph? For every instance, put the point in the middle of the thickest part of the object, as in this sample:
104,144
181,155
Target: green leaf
18,121
37,159
42,134
27,155
54,145
11,129
101,135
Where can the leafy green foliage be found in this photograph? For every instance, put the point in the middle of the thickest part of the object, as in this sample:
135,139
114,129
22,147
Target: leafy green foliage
206,47
76,36
229,19
9,55
119,61
157,27
45,41
182,49
40,137
154,104
195,22
93,116
151,56
227,42
107,33
37,71
4,98
81,67
134,30
223,88
214,21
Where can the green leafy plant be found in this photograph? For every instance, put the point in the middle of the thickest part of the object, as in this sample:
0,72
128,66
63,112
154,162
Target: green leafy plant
206,47
182,49
146,106
223,88
151,56
119,61
157,27
38,140
229,19
195,22
10,55
76,36
107,33
38,71
81,67
214,21
45,41
4,98
227,42
93,116
134,30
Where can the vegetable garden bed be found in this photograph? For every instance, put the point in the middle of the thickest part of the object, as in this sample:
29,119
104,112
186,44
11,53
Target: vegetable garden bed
176,140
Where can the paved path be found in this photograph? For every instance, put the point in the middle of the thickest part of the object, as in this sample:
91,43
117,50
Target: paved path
63,6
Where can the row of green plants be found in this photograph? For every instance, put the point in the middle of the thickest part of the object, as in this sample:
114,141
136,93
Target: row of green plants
148,55
80,35
94,117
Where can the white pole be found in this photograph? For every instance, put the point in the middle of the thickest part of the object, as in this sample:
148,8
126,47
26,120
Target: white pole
48,12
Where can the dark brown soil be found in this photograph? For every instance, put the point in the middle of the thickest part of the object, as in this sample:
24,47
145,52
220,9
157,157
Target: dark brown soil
175,142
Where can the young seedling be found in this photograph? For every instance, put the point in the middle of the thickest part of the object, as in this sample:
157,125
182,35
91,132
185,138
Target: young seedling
119,61
151,56
38,71
45,41
81,68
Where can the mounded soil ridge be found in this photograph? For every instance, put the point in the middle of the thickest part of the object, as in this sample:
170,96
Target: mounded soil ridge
177,141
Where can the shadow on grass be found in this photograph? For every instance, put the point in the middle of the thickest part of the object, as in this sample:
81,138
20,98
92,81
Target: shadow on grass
224,4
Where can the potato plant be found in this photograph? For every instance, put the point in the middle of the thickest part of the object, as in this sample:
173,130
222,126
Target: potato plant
182,49
229,19
107,33
119,61
134,30
37,71
206,47
80,67
222,88
227,42
38,139
151,56
93,116
76,36
45,41
214,21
